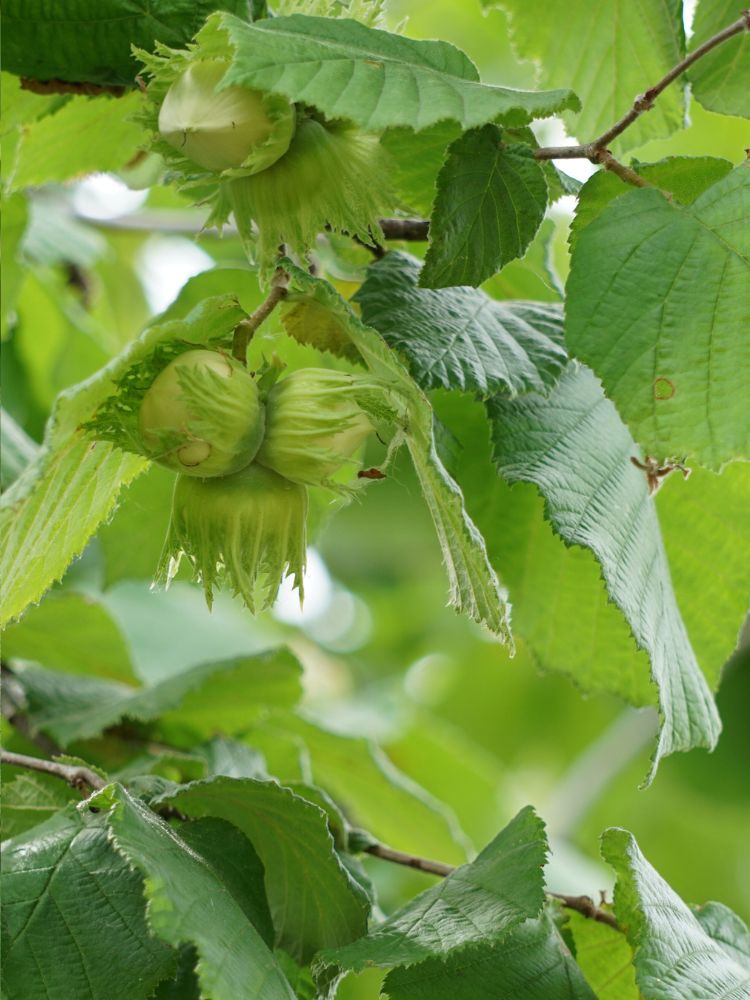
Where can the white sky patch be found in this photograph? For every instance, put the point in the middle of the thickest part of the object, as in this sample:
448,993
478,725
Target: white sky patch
103,196
164,264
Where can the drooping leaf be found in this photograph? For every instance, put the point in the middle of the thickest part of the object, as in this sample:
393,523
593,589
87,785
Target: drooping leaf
373,78
491,198
675,957
460,338
88,41
415,159
74,916
474,587
51,511
576,450
532,962
189,901
668,341
314,901
30,799
87,134
50,634
607,55
477,904
605,958
225,695
720,79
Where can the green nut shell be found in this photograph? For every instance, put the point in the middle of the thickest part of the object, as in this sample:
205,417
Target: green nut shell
202,415
245,530
314,424
230,129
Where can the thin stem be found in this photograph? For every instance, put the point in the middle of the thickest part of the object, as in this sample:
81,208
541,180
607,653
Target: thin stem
581,904
244,330
644,102
77,776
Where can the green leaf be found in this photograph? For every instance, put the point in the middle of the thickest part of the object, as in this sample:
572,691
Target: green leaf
15,219
227,695
608,56
491,198
415,161
575,449
720,79
50,634
30,799
372,78
727,929
605,958
684,177
675,958
233,858
532,962
460,338
17,450
474,587
51,511
74,916
375,794
88,41
533,277
190,902
314,901
477,904
668,341
87,134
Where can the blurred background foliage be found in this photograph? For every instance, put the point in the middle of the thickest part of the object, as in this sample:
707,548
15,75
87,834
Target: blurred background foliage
86,263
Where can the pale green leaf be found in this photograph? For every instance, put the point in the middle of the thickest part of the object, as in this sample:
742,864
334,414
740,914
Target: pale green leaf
684,177
460,338
720,79
675,957
87,134
51,511
226,695
189,901
372,78
532,962
50,634
415,160
605,958
15,218
576,450
74,916
608,54
314,901
491,198
725,927
474,587
534,276
476,904
658,306
30,799
376,794
17,450
86,40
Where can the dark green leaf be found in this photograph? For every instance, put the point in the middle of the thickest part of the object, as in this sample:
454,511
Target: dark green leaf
460,338
727,929
74,916
532,962
477,904
189,902
491,198
314,901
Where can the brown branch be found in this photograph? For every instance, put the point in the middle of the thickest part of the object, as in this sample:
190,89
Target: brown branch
644,102
581,904
45,87
244,330
405,229
77,776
